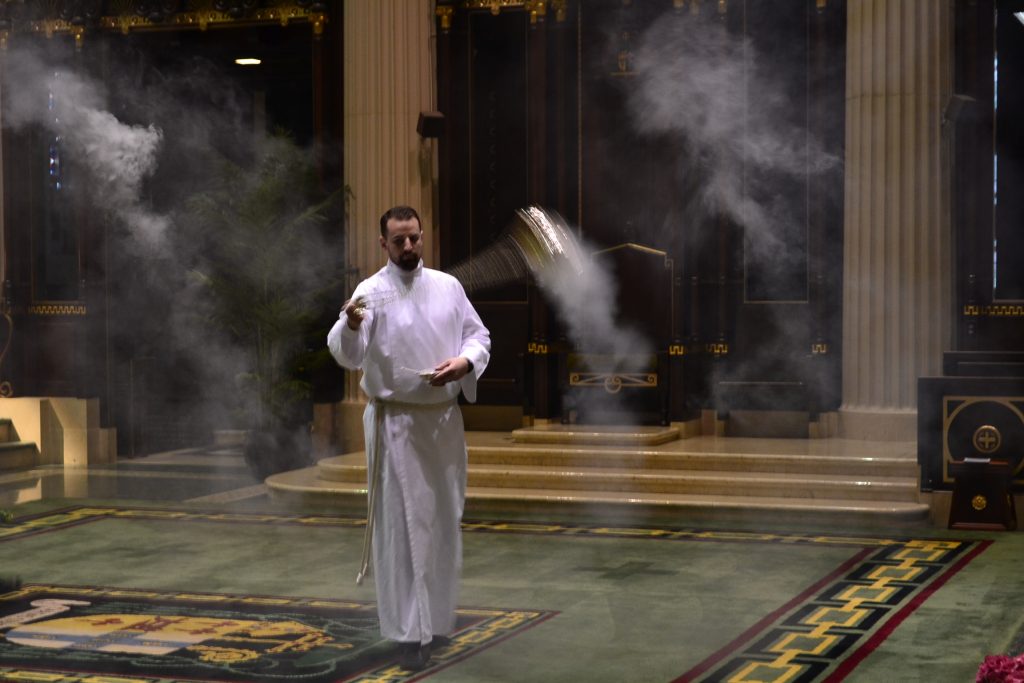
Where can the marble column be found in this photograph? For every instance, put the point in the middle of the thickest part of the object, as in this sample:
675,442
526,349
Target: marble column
389,78
897,292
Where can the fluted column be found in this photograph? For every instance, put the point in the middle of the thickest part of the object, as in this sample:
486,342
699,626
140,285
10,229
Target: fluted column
897,269
388,79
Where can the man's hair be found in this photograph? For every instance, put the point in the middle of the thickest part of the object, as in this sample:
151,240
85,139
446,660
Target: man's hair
399,213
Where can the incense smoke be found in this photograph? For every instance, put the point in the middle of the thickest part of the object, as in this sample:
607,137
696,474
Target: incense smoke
178,138
117,157
698,80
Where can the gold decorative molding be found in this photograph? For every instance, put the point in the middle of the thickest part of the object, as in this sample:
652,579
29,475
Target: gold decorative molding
495,6
127,21
718,349
57,309
560,10
538,9
444,13
537,349
979,502
613,382
821,4
995,310
317,21
676,350
49,27
819,349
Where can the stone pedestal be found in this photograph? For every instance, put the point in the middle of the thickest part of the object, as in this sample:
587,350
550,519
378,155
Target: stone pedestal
66,431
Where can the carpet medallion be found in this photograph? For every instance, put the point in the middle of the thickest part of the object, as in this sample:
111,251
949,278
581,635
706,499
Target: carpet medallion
79,633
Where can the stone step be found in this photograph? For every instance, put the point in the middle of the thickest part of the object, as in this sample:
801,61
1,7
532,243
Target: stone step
18,455
596,435
574,457
352,468
802,480
307,487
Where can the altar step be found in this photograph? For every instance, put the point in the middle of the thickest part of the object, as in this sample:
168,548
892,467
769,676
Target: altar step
801,480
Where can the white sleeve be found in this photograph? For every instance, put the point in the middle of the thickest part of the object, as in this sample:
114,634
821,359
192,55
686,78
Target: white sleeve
348,346
476,347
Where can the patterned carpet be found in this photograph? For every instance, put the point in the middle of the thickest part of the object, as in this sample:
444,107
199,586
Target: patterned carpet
65,633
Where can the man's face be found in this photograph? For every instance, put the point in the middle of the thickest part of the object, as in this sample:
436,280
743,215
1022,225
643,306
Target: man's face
403,243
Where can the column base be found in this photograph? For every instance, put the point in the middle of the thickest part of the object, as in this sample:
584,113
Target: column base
878,424
337,428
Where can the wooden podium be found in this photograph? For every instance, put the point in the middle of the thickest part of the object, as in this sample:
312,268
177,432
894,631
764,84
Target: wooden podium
982,498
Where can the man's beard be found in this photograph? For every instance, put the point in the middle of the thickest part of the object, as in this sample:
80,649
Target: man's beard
408,262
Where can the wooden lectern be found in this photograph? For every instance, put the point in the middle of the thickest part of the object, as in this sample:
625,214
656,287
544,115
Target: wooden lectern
982,498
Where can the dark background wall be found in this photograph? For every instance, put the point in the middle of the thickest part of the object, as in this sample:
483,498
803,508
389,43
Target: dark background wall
546,112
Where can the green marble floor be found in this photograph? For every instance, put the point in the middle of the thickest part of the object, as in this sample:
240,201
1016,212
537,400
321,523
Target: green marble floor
644,603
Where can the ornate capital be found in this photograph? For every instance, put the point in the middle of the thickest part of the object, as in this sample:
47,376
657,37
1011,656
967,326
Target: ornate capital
124,16
537,9
444,13
559,7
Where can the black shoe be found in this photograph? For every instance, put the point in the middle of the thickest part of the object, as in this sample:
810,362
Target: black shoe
413,656
440,641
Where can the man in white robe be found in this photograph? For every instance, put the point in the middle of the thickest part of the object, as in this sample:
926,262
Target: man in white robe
418,341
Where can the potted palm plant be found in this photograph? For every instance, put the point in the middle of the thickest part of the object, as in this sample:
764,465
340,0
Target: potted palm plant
266,269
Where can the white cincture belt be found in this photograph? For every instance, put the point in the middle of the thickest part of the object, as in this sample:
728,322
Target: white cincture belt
405,405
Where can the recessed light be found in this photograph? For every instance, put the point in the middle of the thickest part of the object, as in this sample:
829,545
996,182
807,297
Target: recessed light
248,61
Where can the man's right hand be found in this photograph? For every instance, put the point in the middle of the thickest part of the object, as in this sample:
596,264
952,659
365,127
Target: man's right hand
355,311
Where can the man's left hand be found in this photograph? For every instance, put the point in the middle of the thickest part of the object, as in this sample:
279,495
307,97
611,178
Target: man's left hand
451,370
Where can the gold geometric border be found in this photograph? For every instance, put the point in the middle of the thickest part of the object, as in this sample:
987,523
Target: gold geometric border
76,515
995,310
57,309
826,631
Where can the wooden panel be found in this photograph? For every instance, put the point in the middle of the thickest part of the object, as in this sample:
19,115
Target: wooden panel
1008,238
989,299
502,384
485,159
51,355
582,149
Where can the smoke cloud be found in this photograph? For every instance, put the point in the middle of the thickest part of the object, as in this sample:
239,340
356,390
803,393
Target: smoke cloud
152,148
586,303
117,157
732,105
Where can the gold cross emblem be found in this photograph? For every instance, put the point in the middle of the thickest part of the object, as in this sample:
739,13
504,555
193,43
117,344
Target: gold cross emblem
987,439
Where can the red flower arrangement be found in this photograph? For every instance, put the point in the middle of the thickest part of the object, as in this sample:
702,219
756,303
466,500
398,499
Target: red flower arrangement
1001,669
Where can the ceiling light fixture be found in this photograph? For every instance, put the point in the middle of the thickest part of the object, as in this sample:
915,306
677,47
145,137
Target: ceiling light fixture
248,61
1020,16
